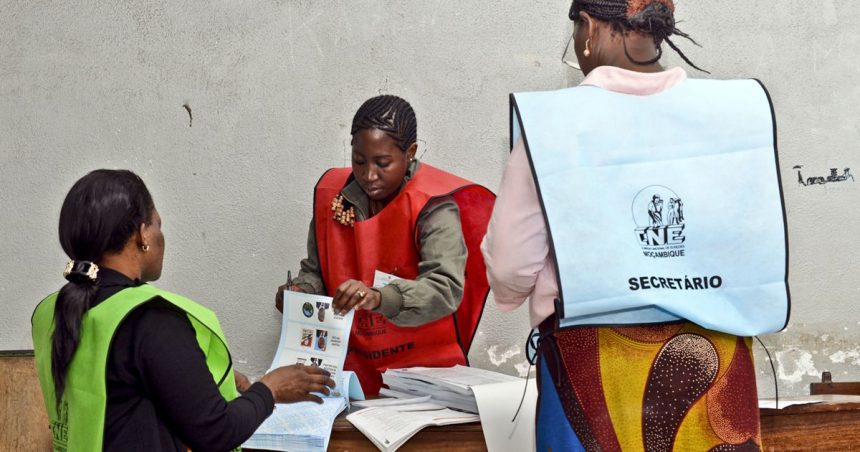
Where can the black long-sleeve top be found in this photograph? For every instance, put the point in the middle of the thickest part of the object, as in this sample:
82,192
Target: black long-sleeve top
160,393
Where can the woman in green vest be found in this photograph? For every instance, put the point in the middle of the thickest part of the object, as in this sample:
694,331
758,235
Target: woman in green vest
126,366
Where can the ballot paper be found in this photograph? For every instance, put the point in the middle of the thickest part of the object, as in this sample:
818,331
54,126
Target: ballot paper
498,404
381,279
312,334
449,386
389,427
392,402
304,426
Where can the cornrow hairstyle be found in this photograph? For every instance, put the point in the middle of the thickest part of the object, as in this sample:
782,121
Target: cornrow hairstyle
653,17
390,114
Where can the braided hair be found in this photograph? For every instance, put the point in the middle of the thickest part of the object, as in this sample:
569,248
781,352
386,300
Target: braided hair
390,114
653,17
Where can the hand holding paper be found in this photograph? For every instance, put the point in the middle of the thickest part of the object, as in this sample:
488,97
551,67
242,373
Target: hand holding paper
352,294
297,383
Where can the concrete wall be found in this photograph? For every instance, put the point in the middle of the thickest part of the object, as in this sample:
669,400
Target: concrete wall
272,87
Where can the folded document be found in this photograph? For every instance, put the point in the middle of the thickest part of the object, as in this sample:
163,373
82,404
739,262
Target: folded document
449,386
390,426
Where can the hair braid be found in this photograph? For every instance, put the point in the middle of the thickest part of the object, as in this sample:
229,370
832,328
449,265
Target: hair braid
652,17
390,114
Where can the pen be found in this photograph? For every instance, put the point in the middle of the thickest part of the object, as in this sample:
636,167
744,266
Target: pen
289,280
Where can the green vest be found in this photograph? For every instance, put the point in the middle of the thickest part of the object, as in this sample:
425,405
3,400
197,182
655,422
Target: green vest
78,424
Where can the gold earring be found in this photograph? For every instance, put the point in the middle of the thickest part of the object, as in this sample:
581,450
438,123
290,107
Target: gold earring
144,248
587,52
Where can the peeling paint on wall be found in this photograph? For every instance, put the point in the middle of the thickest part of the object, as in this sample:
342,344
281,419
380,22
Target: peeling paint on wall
842,356
799,362
500,358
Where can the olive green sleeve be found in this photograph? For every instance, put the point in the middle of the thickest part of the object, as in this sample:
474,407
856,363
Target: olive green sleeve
438,289
310,278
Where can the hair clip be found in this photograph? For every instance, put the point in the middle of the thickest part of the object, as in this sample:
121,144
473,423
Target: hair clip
81,271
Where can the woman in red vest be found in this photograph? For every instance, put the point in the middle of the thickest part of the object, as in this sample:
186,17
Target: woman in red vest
393,214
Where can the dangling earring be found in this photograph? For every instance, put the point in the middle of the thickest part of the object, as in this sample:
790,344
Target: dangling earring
343,216
144,248
587,52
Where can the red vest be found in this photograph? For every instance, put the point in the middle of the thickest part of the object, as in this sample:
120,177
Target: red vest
388,242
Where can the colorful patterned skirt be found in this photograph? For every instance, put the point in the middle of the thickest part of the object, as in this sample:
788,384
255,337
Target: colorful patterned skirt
669,387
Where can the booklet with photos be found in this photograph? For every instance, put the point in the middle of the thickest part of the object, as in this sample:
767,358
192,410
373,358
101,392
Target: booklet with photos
312,334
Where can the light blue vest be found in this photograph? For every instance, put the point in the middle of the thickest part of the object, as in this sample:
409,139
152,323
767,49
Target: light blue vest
661,207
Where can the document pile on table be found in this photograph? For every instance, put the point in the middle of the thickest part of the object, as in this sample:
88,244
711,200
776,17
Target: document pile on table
389,423
311,334
423,397
298,427
448,386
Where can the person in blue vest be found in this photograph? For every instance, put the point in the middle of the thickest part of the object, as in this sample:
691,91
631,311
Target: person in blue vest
125,366
644,317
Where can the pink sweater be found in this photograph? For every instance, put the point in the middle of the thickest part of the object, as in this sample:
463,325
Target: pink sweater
515,248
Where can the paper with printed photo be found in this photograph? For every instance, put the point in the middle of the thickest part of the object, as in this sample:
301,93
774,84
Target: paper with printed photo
312,334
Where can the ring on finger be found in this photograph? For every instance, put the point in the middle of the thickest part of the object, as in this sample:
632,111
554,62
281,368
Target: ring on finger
361,294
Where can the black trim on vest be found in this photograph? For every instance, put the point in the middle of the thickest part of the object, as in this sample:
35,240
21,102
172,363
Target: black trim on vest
781,199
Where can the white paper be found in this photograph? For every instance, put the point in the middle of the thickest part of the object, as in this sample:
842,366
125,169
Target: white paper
789,401
391,401
312,334
381,279
303,426
385,392
457,378
389,427
497,404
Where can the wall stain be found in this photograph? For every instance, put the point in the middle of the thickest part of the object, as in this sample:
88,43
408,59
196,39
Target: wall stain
188,109
500,358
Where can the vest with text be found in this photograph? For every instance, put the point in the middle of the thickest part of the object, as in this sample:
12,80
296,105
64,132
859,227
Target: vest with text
77,423
388,242
661,207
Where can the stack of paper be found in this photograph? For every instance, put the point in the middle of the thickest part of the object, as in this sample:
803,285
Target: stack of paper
390,426
448,386
304,426
300,427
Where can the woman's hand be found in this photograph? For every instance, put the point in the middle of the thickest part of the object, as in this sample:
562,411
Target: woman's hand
242,382
296,383
352,294
279,297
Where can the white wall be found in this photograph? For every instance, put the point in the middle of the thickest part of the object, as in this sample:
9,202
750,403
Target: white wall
273,86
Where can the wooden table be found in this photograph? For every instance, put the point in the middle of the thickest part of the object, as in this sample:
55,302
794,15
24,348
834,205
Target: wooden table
833,425
450,438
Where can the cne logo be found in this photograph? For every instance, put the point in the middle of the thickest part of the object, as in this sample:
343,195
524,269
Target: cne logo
658,213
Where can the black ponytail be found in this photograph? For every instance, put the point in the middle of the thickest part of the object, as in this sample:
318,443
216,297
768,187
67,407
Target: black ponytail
99,215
